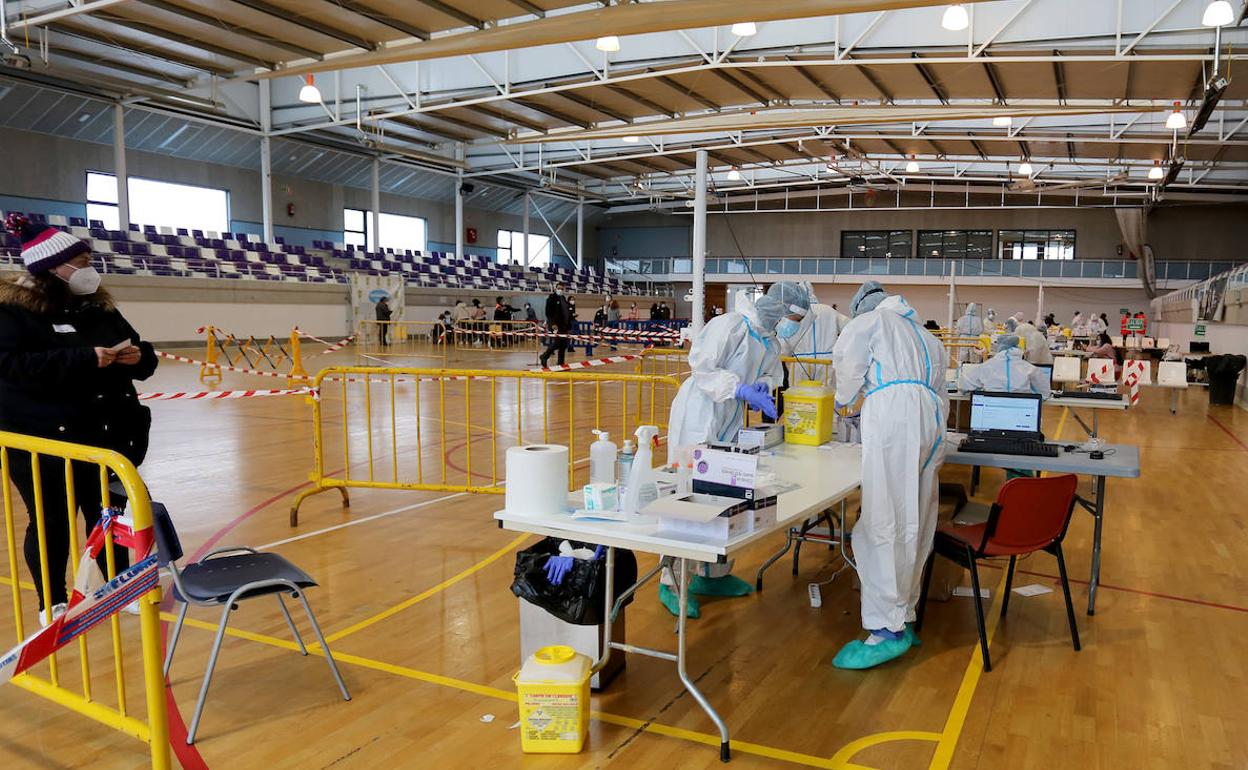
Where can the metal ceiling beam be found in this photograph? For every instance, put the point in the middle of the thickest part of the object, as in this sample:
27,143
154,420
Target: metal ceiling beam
581,101
643,101
162,56
875,83
455,13
931,82
528,8
678,88
732,81
217,24
377,17
420,123
174,37
312,25
995,82
760,84
562,117
120,66
76,9
506,116
1059,78
818,84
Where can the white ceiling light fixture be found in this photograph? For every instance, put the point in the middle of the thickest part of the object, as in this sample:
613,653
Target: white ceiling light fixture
913,166
1003,121
631,139
608,43
744,29
1177,121
1218,14
1156,173
310,94
734,175
1024,168
956,18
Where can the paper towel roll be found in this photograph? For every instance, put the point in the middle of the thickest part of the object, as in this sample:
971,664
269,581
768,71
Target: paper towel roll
537,479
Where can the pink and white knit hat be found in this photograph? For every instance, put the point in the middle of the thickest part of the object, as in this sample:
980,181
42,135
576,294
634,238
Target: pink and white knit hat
44,247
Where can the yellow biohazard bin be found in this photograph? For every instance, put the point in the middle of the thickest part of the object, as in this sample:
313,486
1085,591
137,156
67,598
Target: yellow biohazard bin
553,685
809,410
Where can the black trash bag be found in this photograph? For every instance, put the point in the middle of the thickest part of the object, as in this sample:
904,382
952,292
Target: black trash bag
580,597
1223,377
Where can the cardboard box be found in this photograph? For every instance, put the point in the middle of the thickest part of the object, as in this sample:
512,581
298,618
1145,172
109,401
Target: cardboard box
761,436
707,517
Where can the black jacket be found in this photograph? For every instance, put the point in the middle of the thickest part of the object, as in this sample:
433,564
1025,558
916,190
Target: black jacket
558,314
504,312
50,382
384,312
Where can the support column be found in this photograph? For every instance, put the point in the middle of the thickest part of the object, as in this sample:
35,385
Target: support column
580,232
1039,306
376,245
266,162
953,294
459,214
699,244
119,167
525,247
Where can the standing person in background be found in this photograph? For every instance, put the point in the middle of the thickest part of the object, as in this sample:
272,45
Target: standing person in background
632,312
477,315
558,322
613,318
1037,349
503,311
459,321
383,320
68,362
529,313
1125,318
1143,319
1099,325
969,325
654,311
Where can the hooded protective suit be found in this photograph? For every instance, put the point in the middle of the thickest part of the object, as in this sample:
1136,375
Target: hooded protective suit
1035,345
1005,372
886,354
969,325
733,349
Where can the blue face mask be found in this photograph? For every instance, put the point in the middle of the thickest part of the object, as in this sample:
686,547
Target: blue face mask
787,328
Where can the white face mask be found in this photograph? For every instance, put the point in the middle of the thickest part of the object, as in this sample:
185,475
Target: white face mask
83,281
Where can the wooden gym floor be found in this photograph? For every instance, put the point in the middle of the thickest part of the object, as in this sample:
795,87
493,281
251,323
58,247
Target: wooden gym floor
414,595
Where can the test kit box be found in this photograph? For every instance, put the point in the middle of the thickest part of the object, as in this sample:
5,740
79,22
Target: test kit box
763,436
763,508
726,468
717,519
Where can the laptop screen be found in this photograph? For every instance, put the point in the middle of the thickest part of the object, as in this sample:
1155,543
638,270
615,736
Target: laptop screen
991,412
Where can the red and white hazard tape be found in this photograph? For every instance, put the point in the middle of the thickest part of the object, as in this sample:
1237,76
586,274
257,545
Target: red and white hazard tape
599,337
210,395
585,364
331,347
226,367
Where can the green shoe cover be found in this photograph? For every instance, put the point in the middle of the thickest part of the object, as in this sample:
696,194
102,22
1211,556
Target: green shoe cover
728,585
858,655
669,599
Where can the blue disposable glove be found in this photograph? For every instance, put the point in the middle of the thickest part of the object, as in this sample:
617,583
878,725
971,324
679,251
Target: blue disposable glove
758,396
557,568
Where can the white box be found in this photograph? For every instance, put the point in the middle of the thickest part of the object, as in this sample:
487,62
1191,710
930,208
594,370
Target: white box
718,530
708,517
736,469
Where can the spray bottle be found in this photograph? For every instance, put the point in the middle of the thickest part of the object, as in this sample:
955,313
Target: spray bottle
642,489
602,459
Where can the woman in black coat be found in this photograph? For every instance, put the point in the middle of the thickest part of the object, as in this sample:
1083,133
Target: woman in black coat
68,362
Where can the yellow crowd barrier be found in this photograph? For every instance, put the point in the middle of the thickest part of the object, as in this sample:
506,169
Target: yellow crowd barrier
448,429
51,468
402,340
250,353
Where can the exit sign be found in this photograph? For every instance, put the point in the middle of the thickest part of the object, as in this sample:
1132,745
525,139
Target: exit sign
1124,311
1199,331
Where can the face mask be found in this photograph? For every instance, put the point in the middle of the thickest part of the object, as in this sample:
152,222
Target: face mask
83,281
787,328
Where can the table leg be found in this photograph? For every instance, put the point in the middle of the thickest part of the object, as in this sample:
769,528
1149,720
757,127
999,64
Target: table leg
1174,401
683,580
608,615
775,557
1099,514
1096,421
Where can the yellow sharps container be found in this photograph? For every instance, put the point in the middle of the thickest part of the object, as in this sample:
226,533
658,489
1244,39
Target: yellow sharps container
809,410
553,686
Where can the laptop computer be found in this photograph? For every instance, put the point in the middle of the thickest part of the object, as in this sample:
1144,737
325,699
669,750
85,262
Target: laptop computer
1006,423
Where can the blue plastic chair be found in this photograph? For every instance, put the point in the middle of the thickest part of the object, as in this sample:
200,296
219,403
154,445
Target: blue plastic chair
223,578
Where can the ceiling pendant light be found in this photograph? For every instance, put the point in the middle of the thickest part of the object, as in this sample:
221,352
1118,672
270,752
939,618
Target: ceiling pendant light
608,43
631,139
310,93
1176,121
1155,173
1002,121
913,166
1024,168
1218,14
733,174
744,29
956,18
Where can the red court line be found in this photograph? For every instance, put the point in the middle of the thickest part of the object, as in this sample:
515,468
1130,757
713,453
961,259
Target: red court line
1227,431
1138,591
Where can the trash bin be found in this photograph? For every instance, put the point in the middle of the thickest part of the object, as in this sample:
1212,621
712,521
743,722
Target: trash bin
1224,374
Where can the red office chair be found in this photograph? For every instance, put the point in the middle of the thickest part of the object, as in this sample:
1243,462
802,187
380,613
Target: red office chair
1029,515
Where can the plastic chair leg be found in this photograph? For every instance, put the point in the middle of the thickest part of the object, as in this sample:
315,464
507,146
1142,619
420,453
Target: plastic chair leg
979,610
173,638
1070,607
1009,581
290,622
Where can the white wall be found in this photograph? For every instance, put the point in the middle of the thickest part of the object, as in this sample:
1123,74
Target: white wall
159,321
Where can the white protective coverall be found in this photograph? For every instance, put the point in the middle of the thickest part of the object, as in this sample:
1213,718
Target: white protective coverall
815,339
886,354
969,325
1036,348
1005,372
731,350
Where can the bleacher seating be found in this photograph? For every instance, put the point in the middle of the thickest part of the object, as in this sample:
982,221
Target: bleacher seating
162,251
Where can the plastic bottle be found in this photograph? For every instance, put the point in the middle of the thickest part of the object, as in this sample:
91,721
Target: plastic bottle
624,465
642,487
602,459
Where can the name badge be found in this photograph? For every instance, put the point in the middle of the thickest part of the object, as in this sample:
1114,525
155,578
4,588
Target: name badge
64,329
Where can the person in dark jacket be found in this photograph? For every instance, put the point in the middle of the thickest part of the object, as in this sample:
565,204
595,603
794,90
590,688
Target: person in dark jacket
68,362
529,313
558,322
384,314
503,311
654,311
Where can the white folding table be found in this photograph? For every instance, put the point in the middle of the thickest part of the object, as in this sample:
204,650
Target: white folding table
826,476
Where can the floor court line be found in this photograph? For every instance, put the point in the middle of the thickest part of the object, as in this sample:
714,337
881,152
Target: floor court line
1228,432
364,520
